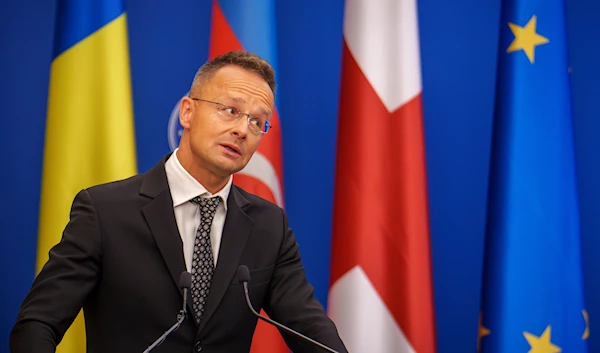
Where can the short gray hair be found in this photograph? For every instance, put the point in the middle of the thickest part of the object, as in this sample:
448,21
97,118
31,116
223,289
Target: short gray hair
245,60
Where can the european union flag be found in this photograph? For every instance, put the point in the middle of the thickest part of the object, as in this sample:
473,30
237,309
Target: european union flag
533,292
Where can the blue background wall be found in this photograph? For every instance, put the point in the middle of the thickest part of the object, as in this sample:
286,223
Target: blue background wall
168,42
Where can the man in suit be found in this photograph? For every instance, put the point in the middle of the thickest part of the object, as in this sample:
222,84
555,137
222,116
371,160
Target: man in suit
127,242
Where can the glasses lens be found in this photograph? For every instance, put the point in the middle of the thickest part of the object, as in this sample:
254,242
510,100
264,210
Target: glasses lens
230,113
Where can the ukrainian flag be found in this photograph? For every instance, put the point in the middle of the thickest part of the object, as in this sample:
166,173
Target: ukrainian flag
89,129
533,292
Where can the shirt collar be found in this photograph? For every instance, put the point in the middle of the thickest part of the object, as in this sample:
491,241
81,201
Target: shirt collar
185,187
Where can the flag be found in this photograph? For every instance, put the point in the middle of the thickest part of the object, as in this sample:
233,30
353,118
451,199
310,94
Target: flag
381,296
532,288
251,26
89,129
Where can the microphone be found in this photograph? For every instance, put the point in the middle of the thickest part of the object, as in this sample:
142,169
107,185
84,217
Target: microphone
185,282
244,278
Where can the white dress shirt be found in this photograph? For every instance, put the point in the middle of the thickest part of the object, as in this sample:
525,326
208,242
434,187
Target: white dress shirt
187,214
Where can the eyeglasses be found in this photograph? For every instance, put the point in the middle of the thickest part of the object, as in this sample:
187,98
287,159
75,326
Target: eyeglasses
231,114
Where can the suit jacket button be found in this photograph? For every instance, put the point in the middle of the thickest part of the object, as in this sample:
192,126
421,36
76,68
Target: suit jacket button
198,347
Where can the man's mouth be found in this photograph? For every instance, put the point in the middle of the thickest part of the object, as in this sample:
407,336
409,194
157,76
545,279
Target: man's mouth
231,149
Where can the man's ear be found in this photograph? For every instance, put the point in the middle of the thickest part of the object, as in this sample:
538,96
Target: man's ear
185,112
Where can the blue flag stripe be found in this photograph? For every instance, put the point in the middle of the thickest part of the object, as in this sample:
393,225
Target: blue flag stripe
253,22
77,19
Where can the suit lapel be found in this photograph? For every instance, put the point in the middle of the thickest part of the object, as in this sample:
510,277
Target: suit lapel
160,218
235,233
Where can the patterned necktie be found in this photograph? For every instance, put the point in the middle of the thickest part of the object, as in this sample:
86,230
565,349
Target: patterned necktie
202,259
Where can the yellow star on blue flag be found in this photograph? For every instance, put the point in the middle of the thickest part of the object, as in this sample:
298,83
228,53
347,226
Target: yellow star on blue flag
541,344
526,38
532,292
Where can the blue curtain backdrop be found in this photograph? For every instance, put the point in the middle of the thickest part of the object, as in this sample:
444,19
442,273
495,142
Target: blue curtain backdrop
169,40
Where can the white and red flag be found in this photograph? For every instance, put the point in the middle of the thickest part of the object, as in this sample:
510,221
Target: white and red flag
381,295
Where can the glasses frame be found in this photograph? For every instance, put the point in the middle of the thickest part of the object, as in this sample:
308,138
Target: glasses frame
267,123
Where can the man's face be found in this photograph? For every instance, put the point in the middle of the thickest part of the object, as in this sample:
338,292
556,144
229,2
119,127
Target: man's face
219,146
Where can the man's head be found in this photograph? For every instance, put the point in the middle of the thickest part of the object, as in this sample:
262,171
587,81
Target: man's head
217,140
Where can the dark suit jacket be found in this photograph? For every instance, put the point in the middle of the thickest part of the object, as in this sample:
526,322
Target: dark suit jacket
120,259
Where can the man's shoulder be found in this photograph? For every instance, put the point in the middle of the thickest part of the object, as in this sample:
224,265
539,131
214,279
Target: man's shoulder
130,185
117,187
257,201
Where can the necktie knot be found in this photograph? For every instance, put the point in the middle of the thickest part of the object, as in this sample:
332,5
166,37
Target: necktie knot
208,205
207,201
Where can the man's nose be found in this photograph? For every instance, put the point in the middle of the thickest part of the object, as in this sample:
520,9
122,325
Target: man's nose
240,129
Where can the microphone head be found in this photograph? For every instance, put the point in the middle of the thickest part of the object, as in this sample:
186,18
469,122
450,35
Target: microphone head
243,274
185,280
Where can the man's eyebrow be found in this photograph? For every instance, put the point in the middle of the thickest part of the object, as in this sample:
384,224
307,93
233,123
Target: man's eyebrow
242,100
238,99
